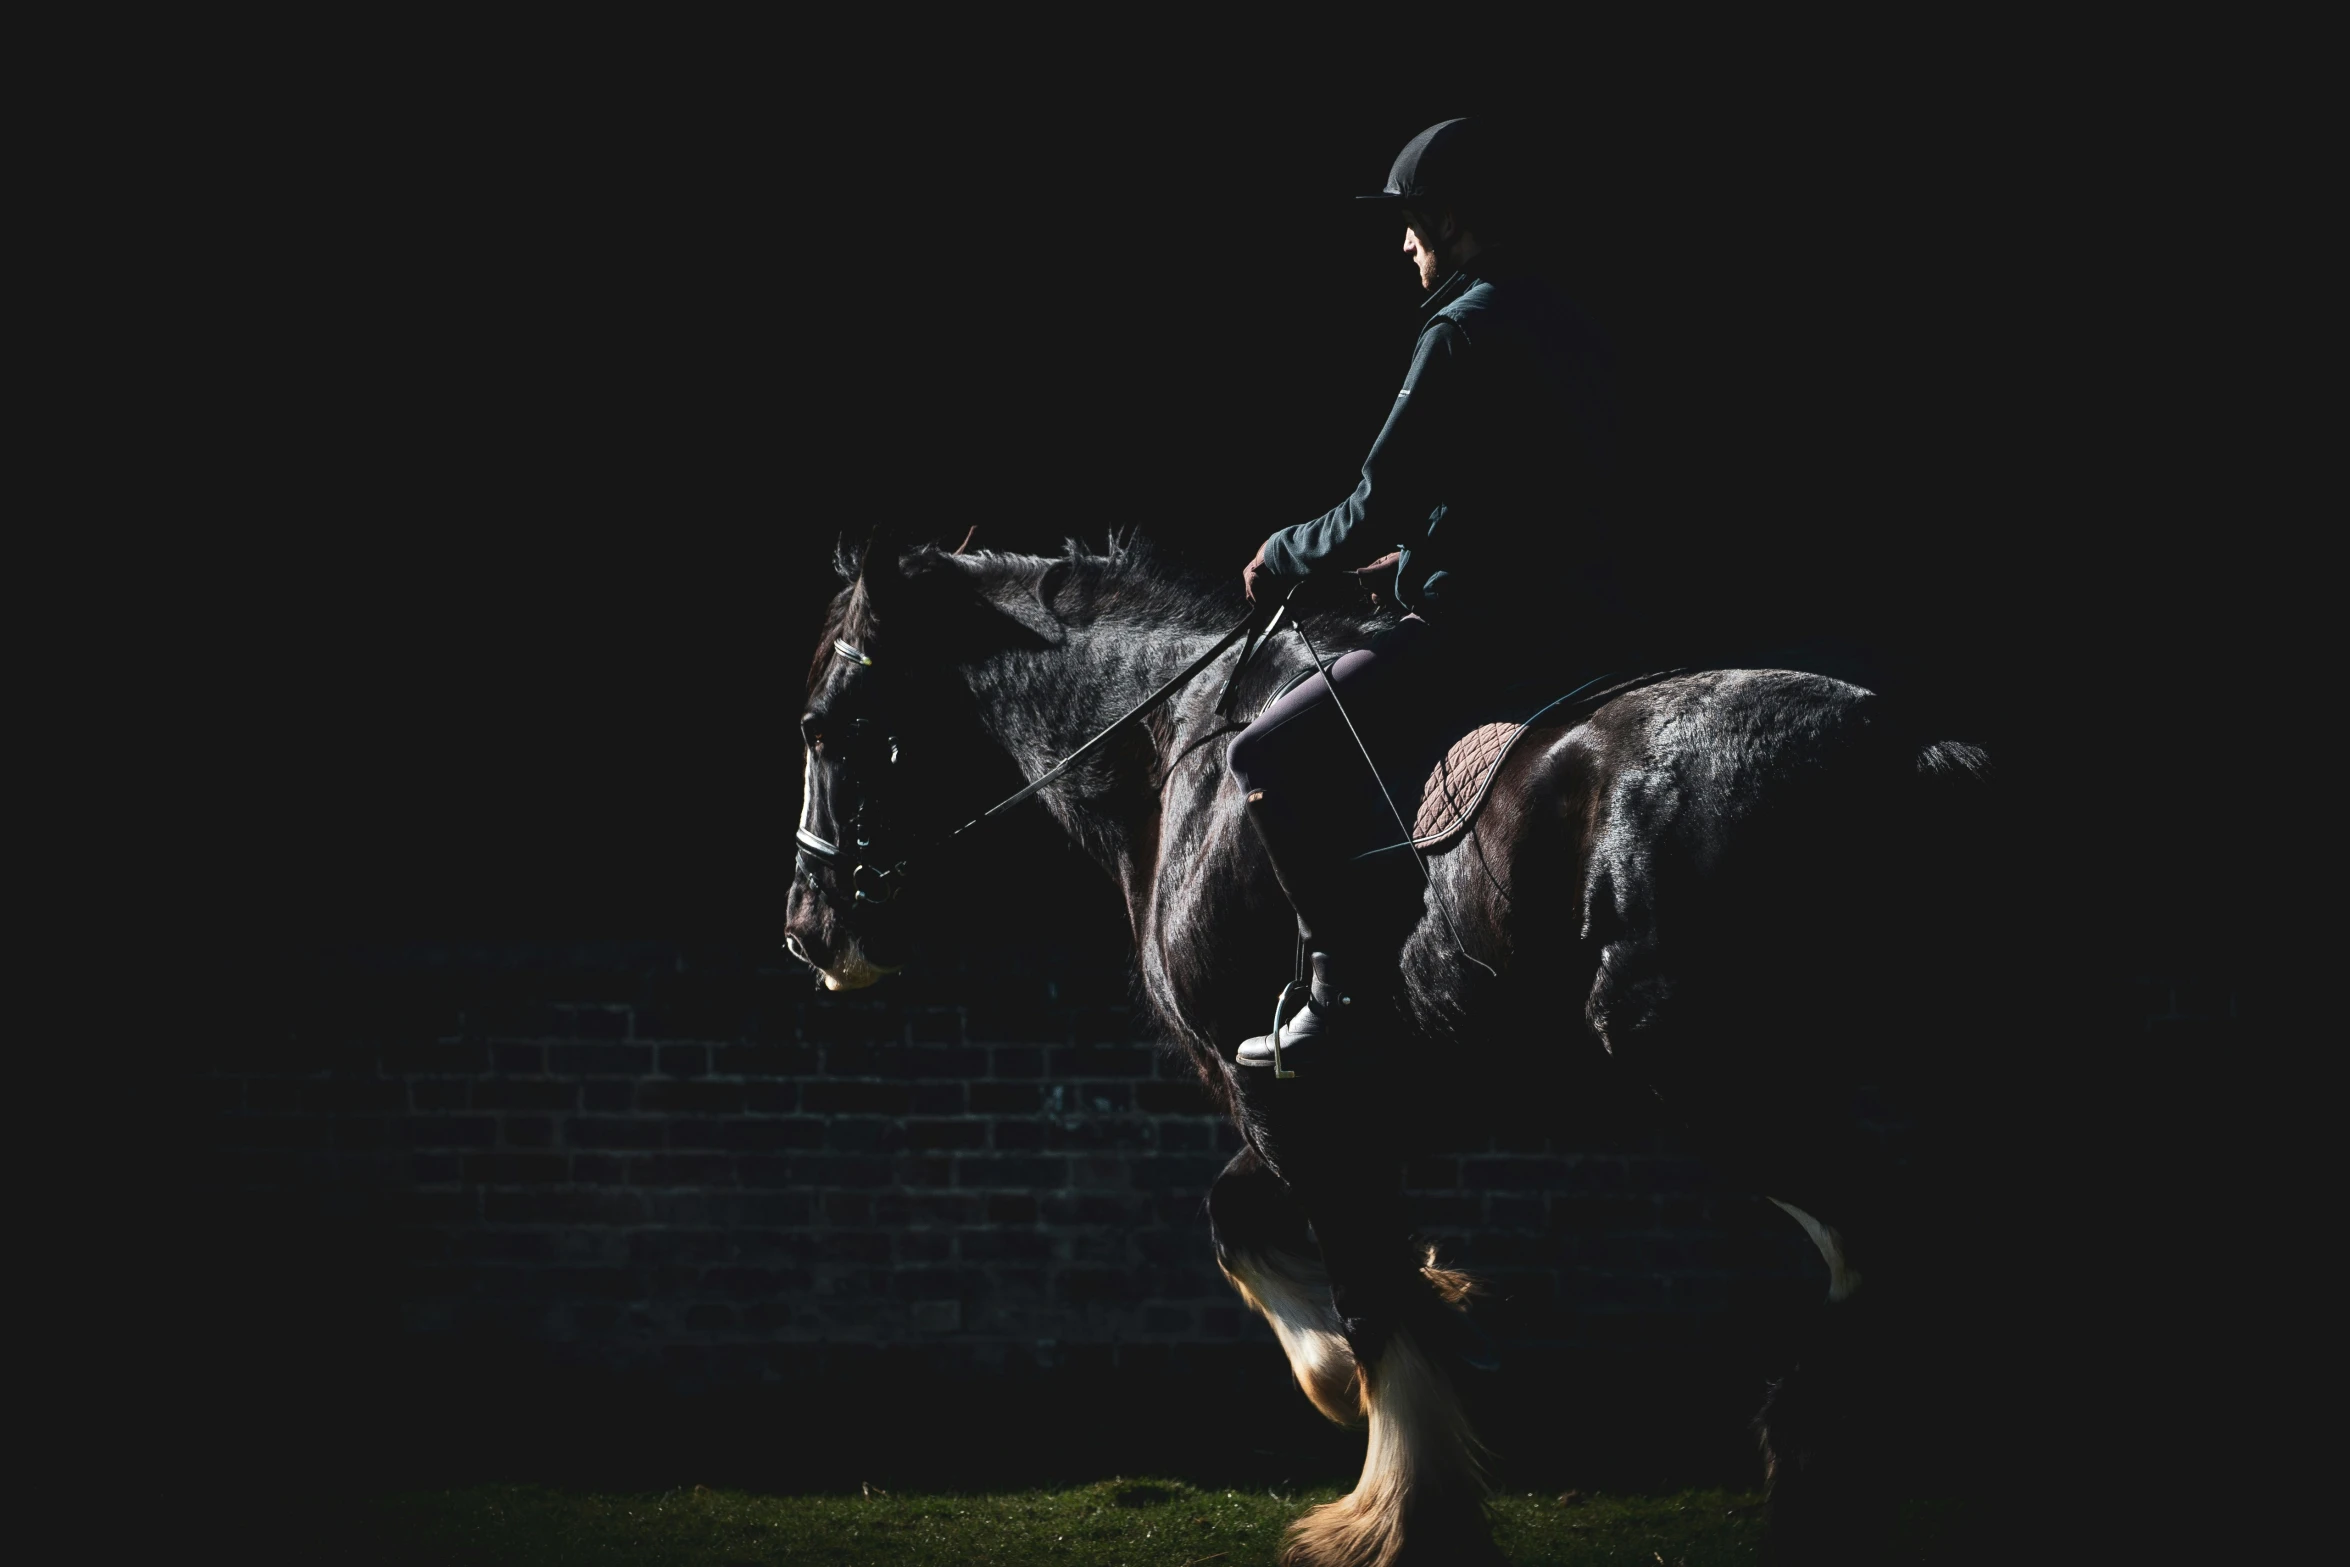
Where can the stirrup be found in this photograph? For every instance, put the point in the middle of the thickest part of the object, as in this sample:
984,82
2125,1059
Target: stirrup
1324,997
1281,1014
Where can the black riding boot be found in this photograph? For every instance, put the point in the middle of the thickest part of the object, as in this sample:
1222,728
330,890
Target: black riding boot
1322,887
1302,1045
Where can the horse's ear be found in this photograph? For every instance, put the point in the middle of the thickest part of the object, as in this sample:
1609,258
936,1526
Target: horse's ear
1030,605
879,568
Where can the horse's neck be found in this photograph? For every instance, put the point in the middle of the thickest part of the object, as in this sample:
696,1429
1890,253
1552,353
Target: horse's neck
1108,806
1157,812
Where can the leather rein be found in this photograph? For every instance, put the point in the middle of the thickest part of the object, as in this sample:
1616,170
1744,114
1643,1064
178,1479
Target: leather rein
873,886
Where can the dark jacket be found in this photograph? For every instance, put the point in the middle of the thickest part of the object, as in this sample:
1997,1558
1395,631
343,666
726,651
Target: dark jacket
1491,469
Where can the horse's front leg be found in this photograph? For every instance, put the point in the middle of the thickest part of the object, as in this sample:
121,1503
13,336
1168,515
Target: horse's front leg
1266,1250
1363,1322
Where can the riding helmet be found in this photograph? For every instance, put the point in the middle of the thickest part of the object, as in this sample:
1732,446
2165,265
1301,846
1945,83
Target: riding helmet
1450,161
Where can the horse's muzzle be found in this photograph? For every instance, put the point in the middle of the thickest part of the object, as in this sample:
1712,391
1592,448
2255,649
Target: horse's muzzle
818,937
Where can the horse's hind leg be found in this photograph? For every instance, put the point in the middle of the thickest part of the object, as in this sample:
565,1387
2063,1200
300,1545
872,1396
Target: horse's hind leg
1773,1106
1420,1497
1824,1438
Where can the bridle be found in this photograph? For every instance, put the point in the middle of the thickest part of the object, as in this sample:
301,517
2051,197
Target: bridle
873,884
874,879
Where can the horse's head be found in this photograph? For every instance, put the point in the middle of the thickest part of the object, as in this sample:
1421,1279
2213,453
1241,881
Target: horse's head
895,753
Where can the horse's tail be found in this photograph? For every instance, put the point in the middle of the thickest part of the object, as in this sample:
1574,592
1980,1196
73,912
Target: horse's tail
1955,816
1956,944
1954,763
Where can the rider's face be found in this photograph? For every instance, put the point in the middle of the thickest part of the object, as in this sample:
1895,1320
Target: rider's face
1421,244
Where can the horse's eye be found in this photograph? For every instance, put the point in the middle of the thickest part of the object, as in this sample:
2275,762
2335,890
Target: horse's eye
811,730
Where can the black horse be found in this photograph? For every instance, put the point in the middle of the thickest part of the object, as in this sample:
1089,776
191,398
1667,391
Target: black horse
1746,885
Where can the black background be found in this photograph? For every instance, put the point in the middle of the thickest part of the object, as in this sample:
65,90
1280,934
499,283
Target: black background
512,395
531,392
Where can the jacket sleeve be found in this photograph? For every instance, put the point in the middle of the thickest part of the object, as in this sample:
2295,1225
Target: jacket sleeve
1403,478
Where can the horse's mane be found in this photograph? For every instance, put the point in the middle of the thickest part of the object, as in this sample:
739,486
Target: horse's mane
1127,580
1126,587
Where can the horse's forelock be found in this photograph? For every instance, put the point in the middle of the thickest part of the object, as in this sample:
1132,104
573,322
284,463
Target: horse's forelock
837,615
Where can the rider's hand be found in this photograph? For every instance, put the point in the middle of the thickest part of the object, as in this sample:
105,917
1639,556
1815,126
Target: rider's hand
1253,573
1377,572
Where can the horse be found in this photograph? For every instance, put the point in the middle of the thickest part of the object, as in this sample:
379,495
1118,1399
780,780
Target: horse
1735,884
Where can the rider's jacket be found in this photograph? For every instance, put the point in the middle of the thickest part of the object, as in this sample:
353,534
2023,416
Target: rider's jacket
1500,436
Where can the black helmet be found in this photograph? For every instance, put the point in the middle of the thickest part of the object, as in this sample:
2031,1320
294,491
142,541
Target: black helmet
1451,161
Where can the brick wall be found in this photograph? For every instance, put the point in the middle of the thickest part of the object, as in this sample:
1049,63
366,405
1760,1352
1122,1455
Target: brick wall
704,1190
464,1183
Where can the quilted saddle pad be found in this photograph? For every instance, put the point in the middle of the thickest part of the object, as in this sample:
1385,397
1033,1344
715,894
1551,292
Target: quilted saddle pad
1449,800
1456,790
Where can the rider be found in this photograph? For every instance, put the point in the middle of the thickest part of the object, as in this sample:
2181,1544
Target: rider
1501,427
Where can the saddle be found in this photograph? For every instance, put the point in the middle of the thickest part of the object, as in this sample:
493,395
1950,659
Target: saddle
1456,790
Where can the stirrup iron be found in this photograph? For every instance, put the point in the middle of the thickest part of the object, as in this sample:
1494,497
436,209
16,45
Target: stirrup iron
1282,1074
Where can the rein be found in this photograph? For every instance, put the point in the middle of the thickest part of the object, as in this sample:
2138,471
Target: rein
1134,714
874,886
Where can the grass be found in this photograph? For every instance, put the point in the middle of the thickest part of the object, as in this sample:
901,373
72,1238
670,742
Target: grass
1147,1523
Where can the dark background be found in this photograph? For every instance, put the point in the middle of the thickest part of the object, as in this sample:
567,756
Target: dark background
528,389
537,400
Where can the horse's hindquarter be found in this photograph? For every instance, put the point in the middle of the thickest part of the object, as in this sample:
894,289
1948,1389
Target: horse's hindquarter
1697,786
1746,898
1682,877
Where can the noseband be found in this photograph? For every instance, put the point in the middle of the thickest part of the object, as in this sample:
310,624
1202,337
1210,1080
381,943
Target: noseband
875,881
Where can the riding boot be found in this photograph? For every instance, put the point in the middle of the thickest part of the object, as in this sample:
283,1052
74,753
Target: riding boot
1299,1045
1316,881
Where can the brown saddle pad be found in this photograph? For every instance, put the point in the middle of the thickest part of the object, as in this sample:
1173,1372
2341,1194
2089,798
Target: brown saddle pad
1456,790
1458,785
